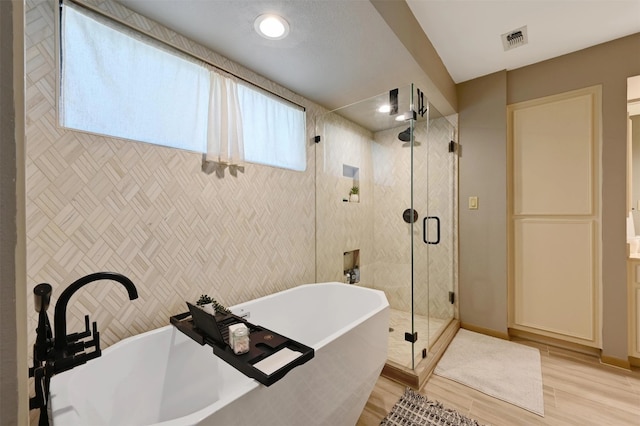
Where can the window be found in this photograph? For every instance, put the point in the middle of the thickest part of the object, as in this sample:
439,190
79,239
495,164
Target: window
115,82
116,85
274,132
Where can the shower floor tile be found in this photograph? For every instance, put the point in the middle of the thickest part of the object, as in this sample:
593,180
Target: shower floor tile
399,350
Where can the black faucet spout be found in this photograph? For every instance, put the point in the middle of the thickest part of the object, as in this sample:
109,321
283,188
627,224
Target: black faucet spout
60,315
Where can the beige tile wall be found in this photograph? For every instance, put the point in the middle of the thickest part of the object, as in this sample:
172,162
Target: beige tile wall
101,204
392,193
343,226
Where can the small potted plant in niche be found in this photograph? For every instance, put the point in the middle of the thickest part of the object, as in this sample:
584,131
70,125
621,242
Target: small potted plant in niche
354,196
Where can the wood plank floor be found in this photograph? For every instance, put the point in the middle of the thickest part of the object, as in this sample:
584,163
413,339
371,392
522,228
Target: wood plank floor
578,390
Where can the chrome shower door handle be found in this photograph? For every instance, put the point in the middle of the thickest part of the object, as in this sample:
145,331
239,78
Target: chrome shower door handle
424,230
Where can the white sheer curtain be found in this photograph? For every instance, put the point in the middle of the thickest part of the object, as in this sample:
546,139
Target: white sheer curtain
274,131
225,143
113,83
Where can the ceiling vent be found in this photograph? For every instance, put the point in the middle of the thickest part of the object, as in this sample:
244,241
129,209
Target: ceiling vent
515,38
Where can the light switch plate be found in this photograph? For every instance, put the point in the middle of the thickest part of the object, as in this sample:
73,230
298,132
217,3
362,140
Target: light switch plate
473,203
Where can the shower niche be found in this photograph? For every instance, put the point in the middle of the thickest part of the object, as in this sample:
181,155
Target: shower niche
394,147
351,267
352,175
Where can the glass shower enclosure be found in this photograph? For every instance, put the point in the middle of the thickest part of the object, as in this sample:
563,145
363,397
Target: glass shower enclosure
386,212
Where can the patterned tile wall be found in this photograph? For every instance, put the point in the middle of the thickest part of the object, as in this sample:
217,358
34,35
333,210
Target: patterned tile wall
392,235
101,204
343,226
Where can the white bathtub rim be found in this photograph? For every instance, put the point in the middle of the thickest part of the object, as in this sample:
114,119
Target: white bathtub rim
342,330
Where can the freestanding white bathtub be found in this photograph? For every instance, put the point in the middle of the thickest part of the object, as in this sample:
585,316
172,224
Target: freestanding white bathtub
163,378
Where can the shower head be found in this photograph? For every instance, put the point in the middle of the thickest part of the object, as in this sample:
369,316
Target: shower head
405,135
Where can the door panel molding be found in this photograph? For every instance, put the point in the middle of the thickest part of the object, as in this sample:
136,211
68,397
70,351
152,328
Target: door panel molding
548,254
547,183
553,156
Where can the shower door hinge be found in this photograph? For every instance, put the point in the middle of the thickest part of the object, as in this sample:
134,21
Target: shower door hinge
453,147
316,139
393,101
452,297
411,337
422,108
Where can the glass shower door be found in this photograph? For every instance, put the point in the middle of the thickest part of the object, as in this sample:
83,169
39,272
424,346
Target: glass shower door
434,241
420,235
443,196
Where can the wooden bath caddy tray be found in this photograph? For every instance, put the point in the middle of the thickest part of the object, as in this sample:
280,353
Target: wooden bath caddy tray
212,330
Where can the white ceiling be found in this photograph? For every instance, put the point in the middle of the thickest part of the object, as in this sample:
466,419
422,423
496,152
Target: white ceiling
341,51
466,34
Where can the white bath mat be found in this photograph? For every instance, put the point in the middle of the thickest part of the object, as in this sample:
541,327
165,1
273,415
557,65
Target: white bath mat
499,368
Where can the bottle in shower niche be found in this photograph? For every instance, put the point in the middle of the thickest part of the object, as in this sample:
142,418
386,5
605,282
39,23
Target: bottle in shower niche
355,275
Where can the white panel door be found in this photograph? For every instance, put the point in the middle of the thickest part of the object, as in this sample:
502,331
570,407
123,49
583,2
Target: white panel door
554,284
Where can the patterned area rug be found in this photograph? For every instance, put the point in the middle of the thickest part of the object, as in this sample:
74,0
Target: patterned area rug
414,409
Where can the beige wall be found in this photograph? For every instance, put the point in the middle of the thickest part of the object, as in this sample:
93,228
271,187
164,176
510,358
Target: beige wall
13,349
483,234
8,337
607,64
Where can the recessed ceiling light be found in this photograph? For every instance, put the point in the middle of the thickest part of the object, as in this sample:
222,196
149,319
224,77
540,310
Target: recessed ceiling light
384,108
272,27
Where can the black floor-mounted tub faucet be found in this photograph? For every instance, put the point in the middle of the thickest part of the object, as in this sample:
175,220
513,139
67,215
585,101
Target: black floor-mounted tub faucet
57,352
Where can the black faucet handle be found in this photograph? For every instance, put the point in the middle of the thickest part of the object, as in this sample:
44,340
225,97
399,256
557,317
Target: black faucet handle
74,337
74,346
96,341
